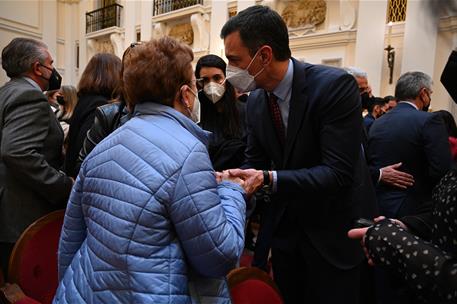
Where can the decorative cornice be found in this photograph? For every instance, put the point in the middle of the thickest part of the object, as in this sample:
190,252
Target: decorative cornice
69,1
448,24
105,32
183,12
322,40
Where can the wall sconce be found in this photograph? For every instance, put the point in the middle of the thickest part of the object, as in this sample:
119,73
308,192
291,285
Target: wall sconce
390,53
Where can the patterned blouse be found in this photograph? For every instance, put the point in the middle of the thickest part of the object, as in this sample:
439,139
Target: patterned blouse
429,268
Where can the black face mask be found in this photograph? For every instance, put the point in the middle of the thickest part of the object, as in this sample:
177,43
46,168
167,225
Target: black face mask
60,100
54,80
425,108
366,99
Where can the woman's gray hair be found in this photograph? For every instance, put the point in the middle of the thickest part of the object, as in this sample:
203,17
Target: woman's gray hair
409,85
19,55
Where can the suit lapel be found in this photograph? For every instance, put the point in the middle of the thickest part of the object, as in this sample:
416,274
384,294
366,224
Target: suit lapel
298,104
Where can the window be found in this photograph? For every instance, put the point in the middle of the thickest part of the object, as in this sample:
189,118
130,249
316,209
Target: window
396,11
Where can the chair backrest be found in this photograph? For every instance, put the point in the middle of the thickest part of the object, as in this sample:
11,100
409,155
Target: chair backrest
33,261
250,285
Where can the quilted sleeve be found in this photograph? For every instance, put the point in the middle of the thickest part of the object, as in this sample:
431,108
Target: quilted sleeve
209,218
74,228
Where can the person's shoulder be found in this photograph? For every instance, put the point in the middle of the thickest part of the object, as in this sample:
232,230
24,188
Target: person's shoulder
18,91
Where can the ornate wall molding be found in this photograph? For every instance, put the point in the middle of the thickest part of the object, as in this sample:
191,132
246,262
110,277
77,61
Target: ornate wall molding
200,28
183,33
304,13
347,15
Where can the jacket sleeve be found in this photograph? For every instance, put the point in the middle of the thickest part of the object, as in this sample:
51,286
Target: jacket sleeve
449,76
429,271
25,128
73,230
96,134
436,147
340,134
209,218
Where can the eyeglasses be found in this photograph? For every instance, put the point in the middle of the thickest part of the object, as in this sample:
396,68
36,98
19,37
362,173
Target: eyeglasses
217,78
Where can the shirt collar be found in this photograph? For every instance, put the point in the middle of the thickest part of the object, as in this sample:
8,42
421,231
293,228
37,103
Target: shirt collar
33,83
410,103
283,88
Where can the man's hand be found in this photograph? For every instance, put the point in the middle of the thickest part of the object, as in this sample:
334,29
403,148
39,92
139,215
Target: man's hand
253,179
391,176
359,234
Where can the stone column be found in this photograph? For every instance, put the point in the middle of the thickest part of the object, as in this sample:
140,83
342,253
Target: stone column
369,49
49,13
70,17
419,44
84,7
146,20
129,22
219,15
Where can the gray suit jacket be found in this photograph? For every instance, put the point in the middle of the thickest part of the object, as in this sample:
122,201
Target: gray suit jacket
31,154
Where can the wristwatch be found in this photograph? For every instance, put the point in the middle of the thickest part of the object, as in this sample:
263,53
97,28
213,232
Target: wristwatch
266,178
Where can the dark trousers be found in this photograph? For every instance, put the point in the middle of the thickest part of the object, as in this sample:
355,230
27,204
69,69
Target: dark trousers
5,252
303,276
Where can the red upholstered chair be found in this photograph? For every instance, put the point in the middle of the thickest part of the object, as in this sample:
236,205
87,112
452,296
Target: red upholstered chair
250,285
33,261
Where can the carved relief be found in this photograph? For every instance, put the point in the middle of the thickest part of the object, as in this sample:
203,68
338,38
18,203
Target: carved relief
304,13
200,29
104,46
182,33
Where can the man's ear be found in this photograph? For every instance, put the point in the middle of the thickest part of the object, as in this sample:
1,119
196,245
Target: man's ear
36,69
266,54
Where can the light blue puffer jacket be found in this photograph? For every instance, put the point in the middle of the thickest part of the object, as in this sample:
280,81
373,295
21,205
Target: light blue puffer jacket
146,221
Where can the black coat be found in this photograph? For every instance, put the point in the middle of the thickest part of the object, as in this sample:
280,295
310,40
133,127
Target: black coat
81,122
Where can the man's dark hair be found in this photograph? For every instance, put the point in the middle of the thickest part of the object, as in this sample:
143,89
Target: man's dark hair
260,25
376,101
20,54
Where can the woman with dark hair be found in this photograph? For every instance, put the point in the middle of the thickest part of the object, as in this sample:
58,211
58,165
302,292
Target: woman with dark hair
98,85
221,113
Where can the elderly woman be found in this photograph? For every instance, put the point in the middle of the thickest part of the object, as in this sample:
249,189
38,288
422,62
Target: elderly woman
147,221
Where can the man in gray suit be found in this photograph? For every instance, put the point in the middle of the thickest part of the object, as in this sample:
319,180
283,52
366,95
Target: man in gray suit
31,139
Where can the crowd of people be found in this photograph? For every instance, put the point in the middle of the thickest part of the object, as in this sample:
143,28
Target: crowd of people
160,166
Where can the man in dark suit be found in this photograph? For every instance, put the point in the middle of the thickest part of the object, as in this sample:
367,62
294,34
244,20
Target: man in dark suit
304,143
414,137
31,142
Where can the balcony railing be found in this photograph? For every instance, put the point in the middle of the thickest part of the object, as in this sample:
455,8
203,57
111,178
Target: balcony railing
165,6
103,18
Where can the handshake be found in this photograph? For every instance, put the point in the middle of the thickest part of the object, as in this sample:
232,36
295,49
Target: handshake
250,179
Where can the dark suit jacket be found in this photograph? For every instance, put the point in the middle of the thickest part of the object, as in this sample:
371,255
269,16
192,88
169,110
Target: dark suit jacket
417,139
449,76
31,154
323,181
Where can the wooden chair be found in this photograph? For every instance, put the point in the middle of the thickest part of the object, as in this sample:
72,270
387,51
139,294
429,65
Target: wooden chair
250,285
33,261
